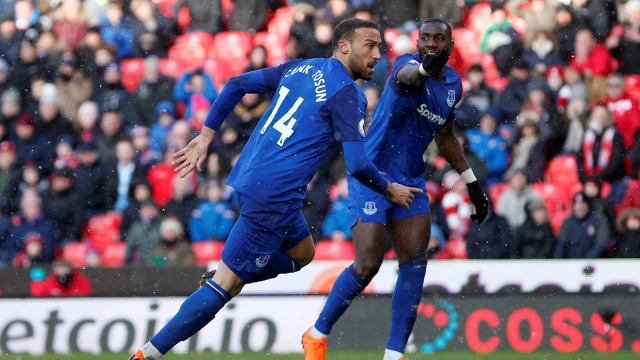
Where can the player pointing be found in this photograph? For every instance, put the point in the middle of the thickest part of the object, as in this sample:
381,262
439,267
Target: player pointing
315,103
416,107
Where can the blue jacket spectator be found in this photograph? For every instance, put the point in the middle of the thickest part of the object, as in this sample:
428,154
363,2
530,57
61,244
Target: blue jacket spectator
213,218
584,234
191,83
337,221
115,30
160,130
490,147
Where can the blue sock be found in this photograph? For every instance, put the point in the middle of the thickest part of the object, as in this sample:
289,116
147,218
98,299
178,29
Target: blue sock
345,289
404,303
195,312
279,263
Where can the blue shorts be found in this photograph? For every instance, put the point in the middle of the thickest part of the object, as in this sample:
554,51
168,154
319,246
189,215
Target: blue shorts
259,233
371,206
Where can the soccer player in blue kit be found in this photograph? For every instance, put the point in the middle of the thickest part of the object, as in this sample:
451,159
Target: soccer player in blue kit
416,107
315,103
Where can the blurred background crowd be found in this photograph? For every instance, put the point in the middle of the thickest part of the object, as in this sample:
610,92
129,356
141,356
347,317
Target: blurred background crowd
96,96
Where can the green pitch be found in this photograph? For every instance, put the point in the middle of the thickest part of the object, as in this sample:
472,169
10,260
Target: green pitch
350,356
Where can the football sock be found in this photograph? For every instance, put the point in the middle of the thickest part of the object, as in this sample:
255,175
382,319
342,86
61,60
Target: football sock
316,333
195,312
345,289
279,263
150,352
404,303
392,355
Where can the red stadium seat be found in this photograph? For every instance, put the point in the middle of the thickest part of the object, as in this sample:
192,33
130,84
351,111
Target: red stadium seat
467,43
280,26
563,170
114,254
480,17
199,38
334,250
495,191
166,7
171,68
557,220
75,253
191,56
218,72
632,85
275,44
205,251
556,197
131,73
232,49
103,229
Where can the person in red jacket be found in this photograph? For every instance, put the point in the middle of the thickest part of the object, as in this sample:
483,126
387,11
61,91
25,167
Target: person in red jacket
63,281
624,107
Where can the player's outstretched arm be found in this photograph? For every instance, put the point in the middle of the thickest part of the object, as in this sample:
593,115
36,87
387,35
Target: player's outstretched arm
192,156
361,168
452,151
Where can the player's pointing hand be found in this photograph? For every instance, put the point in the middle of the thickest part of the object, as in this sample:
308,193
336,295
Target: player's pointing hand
193,155
401,195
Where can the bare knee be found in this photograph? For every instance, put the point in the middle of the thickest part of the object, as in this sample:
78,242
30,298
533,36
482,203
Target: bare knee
367,269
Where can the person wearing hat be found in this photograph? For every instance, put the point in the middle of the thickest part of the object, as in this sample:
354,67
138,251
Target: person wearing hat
11,38
111,94
144,234
489,146
628,226
158,132
94,179
534,239
501,40
30,221
153,89
50,122
583,234
64,204
64,280
173,248
30,144
74,84
10,105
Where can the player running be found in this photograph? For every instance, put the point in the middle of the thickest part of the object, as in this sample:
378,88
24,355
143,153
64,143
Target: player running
315,103
416,107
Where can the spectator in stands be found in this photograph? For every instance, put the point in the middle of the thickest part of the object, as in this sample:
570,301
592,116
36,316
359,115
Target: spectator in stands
64,153
601,206
94,179
86,52
9,177
74,84
64,204
30,222
336,225
301,31
153,89
539,15
583,233
144,156
27,66
501,40
542,53
599,15
115,29
490,148
477,100
32,254
593,61
140,191
86,129
159,131
513,200
321,46
475,162
123,174
64,280
5,82
634,155
528,149
448,10
26,15
257,58
490,240
181,133
183,200
111,94
32,100
624,40
10,39
534,239
30,145
173,249
144,234
152,31
49,120
70,24
110,130
249,16
624,108
553,128
628,226
457,205
213,217
30,179
193,83
10,108
204,15
566,28
243,120
512,98
601,156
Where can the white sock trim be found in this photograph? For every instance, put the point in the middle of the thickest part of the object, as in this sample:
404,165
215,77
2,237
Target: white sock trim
392,355
468,176
150,352
317,334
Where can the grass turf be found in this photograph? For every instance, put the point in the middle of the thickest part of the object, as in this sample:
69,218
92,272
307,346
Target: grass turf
348,356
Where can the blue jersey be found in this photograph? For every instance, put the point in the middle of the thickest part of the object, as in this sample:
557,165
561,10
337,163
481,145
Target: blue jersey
315,103
405,121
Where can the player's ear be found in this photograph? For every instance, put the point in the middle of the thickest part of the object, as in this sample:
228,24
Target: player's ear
344,46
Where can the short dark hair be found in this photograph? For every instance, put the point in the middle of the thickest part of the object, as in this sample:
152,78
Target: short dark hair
346,29
440,21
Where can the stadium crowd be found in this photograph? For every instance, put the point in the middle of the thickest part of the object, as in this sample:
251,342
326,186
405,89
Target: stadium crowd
96,96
